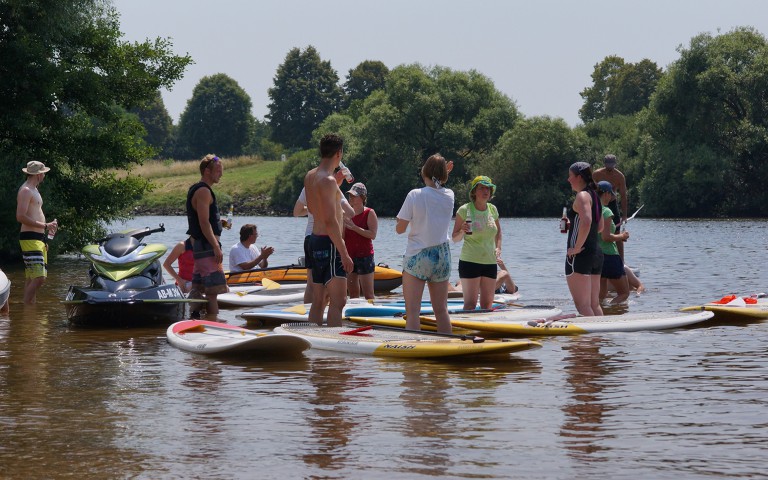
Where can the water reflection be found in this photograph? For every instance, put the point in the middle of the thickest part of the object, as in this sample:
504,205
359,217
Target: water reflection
586,368
332,420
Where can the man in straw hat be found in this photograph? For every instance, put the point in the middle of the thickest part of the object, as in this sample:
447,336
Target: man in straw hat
32,238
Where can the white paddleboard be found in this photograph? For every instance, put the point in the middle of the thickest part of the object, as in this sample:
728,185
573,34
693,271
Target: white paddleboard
256,296
209,338
400,343
630,322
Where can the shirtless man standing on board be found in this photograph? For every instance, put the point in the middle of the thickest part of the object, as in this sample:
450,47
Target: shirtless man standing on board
29,212
330,260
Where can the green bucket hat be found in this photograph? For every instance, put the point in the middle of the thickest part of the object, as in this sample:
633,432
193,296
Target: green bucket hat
482,180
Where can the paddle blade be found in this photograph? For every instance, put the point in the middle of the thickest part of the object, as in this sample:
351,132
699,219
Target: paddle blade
300,309
270,284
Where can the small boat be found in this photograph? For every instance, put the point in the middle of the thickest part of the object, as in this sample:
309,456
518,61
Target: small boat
385,279
384,342
259,295
5,288
215,338
572,325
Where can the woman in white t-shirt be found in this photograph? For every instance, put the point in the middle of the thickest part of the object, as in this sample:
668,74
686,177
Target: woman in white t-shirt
428,255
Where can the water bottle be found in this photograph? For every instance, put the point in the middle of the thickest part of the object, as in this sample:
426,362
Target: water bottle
469,224
52,229
347,174
564,223
228,224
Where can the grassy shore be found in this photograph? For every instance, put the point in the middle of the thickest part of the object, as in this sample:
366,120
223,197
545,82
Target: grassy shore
246,184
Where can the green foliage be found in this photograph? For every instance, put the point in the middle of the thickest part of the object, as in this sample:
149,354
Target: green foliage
290,181
66,81
217,118
710,110
529,167
619,135
158,124
306,91
364,79
421,111
618,88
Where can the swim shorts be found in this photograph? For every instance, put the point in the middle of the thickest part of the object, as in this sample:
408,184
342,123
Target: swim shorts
307,253
585,263
207,274
326,262
430,264
364,265
34,253
474,270
613,267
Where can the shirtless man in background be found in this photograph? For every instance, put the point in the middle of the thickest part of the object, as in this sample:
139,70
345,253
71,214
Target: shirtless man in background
29,212
612,174
330,260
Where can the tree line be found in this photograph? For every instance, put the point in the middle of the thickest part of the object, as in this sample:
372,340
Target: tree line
691,139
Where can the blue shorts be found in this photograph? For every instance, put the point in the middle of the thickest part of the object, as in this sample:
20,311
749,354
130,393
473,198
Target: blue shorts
585,263
474,270
431,264
326,262
364,265
613,267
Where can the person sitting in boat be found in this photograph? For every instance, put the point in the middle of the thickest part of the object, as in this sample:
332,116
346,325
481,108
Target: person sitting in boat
245,255
182,252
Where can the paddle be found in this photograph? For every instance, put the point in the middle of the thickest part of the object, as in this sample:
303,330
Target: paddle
357,331
270,284
200,327
546,322
633,215
300,309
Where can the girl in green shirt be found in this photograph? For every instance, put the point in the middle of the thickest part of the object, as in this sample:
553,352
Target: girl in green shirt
477,223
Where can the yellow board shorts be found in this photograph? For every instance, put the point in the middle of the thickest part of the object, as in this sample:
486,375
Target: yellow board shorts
35,254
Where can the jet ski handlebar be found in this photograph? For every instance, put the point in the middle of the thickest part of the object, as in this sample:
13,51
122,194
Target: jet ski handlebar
137,234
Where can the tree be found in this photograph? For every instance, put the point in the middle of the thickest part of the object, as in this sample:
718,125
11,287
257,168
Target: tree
709,118
631,88
618,88
362,80
158,124
306,91
421,111
217,118
530,166
66,81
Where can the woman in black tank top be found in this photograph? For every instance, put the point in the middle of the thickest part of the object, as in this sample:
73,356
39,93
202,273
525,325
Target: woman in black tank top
584,259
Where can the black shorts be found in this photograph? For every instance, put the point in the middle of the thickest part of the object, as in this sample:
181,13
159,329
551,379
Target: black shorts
307,253
364,265
613,267
326,262
474,270
585,263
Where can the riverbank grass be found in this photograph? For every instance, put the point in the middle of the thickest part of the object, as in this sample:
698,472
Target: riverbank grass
246,183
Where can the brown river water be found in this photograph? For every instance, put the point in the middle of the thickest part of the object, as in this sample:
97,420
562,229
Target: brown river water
685,403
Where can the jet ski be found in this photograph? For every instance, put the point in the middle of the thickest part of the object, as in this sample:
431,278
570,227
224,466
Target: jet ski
127,286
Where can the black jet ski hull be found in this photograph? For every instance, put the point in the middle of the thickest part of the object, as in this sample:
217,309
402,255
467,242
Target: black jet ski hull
164,304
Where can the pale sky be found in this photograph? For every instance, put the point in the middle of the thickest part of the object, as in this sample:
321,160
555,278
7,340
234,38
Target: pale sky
540,53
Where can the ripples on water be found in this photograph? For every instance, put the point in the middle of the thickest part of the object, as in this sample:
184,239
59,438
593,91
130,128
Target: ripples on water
687,403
